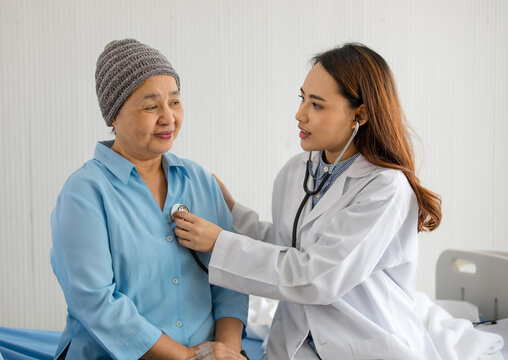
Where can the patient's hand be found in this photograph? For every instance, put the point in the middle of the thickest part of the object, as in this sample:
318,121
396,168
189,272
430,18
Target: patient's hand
220,352
194,232
225,193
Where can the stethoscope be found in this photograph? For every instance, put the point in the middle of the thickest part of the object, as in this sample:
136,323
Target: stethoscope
309,193
181,207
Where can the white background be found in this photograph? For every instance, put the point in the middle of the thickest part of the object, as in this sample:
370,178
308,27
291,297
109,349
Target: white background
241,64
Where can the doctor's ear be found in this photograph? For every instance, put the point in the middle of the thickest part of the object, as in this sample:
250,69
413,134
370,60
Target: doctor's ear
361,116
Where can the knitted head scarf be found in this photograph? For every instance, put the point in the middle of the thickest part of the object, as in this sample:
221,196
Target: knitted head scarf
123,66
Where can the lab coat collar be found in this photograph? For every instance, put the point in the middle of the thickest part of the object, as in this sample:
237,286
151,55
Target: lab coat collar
122,168
361,167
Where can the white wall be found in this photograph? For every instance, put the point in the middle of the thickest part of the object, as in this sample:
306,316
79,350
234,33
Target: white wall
241,65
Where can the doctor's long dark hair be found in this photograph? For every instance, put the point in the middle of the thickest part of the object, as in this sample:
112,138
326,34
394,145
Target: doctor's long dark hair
364,77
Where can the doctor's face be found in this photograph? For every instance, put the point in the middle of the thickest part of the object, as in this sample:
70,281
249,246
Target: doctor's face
149,120
325,119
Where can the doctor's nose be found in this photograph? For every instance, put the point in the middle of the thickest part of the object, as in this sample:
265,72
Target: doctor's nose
300,115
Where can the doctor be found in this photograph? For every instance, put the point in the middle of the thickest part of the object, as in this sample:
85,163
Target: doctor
347,286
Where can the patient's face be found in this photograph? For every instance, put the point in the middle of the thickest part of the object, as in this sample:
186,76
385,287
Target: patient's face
149,120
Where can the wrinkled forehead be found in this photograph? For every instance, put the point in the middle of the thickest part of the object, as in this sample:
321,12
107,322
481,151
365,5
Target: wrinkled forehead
159,86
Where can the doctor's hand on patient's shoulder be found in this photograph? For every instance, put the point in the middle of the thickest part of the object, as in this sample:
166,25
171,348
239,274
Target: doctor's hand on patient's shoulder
194,232
225,193
214,350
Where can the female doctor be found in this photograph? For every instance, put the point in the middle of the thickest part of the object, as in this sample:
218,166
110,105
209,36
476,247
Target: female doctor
344,270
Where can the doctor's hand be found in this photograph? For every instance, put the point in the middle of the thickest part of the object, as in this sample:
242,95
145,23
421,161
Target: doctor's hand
225,193
194,232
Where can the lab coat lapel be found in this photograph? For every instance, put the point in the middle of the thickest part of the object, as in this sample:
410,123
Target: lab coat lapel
334,196
330,198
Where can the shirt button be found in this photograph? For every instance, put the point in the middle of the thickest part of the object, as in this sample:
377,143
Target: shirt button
175,281
318,195
169,238
326,168
179,323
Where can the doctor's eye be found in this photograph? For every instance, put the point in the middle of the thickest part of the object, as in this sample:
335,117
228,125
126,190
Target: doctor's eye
151,108
301,98
316,106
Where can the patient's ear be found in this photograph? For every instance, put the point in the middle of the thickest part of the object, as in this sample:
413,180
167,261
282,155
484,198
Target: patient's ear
113,131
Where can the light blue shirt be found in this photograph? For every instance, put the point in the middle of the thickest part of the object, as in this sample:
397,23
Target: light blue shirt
124,276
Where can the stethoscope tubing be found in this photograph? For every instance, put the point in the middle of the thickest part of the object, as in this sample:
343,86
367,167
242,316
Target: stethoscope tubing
198,260
309,193
182,207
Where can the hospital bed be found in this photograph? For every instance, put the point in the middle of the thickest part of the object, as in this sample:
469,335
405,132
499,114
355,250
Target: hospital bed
26,344
478,278
462,277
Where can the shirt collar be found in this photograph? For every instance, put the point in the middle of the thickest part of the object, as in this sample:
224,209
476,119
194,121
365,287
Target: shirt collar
322,164
359,168
122,168
170,160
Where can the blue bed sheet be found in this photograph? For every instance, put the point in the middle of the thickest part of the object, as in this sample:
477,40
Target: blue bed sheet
27,344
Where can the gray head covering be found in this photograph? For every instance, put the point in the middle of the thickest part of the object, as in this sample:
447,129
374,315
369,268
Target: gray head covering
123,66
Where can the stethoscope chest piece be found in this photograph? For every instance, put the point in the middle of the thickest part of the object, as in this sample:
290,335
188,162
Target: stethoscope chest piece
182,207
179,207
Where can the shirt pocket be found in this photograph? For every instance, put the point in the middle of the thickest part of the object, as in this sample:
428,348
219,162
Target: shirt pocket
386,347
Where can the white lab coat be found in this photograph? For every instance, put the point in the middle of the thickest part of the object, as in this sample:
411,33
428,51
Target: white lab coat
352,281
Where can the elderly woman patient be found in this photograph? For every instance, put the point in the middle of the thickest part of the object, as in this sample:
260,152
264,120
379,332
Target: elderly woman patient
132,291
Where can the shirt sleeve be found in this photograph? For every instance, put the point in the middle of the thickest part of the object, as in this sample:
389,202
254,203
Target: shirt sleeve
227,303
246,222
346,250
82,263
